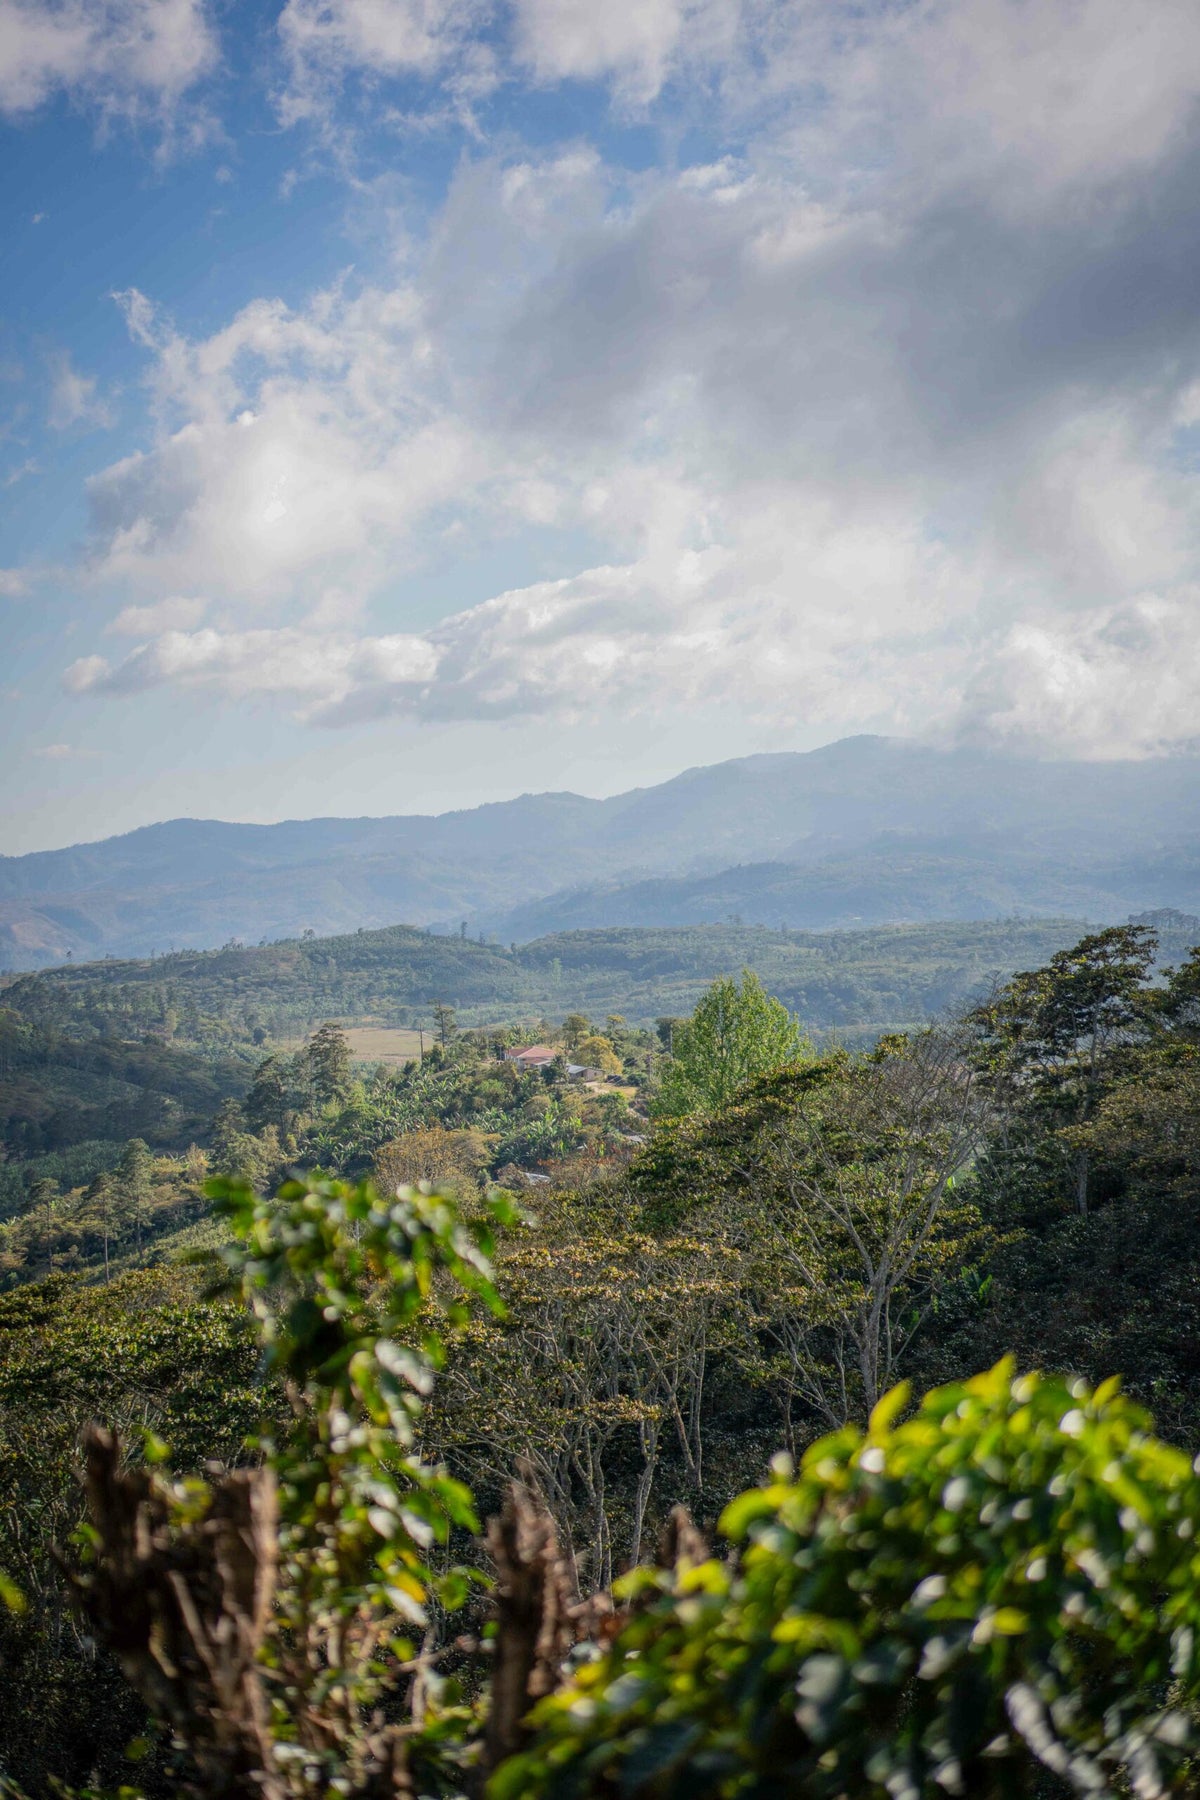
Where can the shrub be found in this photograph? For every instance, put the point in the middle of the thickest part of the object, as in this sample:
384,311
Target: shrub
1004,1584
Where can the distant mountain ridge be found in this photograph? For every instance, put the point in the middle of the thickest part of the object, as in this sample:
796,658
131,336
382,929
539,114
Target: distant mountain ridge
866,831
905,882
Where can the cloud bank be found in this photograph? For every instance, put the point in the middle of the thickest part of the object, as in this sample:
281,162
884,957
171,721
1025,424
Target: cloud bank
885,410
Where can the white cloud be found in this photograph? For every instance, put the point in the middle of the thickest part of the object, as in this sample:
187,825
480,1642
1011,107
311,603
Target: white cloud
634,49
315,669
177,614
14,584
874,415
675,623
312,443
128,57
1119,682
324,40
560,39
1070,90
75,399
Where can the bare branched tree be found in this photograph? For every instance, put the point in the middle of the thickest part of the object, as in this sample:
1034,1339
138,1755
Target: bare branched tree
863,1172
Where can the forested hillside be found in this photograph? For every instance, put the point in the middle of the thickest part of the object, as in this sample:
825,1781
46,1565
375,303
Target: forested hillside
856,979
741,1243
95,1055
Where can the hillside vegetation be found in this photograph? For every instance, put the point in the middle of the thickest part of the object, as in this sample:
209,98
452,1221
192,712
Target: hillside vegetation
866,980
734,1261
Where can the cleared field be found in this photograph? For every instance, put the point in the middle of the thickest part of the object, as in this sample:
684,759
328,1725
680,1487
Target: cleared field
384,1043
373,1043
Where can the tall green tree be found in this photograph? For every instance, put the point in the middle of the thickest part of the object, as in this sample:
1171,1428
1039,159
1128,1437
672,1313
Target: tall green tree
42,1196
269,1098
445,1024
98,1196
1052,1038
737,1032
133,1183
329,1061
228,1135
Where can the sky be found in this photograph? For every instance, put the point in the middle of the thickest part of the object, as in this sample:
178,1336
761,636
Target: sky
411,403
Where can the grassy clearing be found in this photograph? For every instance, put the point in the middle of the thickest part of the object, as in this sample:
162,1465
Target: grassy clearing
391,1044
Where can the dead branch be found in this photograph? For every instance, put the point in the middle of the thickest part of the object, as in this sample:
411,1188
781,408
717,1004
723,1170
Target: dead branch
534,1598
185,1609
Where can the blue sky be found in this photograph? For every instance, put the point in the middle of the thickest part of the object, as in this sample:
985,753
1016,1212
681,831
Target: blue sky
407,403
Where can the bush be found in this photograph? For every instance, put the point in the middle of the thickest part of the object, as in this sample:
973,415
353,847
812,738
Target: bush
1004,1584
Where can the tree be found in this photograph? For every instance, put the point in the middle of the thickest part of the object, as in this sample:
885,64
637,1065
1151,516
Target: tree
735,1033
269,1099
575,1027
596,1052
444,1024
43,1194
133,1174
859,1230
449,1159
328,1057
228,1134
99,1196
597,1377
1048,1036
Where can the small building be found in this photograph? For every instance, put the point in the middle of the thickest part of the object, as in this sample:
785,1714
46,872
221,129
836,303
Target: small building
532,1056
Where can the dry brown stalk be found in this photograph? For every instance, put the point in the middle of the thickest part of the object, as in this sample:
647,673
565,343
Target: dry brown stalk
185,1609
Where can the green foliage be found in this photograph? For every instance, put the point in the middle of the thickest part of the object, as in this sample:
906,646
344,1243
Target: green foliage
342,1284
328,1058
221,997
524,1117
1003,1585
103,1225
698,1159
735,1034
70,1168
1050,1037
59,1090
146,1354
752,1276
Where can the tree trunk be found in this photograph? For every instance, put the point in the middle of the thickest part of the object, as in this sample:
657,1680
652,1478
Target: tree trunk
649,1436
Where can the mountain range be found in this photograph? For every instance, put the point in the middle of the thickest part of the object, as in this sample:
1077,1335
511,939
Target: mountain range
866,831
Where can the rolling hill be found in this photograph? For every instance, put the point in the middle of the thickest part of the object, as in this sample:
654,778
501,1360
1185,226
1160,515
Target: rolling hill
861,981
865,831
